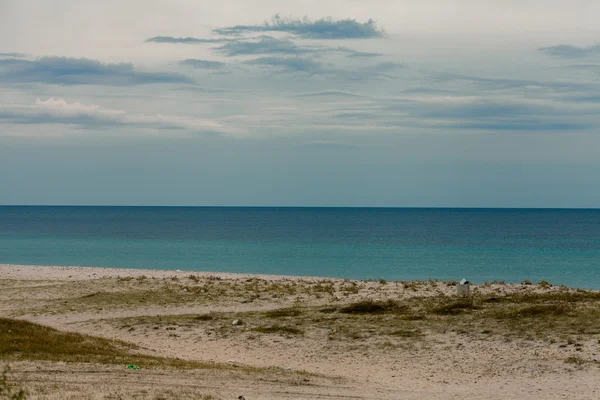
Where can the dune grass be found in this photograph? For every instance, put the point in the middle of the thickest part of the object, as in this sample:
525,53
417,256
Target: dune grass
553,316
23,340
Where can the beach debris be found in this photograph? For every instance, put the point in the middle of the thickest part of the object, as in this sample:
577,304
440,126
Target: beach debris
286,368
131,366
463,288
331,331
241,398
237,322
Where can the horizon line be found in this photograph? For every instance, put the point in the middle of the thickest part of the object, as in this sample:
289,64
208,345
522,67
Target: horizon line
300,206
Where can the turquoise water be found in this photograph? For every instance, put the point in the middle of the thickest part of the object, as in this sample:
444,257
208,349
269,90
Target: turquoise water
562,246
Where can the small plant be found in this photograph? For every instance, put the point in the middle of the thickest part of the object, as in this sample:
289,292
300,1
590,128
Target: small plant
407,333
382,282
374,307
575,360
283,312
204,317
527,282
455,307
544,284
193,278
411,285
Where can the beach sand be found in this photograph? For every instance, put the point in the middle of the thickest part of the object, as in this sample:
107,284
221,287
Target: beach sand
302,341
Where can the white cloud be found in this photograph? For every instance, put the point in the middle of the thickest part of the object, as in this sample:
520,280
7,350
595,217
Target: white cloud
59,111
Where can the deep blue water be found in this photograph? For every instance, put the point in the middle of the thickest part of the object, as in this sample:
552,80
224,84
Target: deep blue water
561,246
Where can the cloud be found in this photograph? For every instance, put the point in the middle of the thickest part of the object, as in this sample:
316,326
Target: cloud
262,45
80,71
182,40
507,83
356,54
270,45
491,114
89,116
330,93
325,28
569,51
387,66
203,64
15,55
289,64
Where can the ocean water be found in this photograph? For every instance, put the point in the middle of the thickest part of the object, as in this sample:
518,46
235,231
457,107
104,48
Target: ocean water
561,246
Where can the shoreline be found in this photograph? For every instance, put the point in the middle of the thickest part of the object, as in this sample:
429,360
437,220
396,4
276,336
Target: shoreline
78,272
74,272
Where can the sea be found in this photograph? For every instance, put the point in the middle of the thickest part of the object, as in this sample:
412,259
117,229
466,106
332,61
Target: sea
561,246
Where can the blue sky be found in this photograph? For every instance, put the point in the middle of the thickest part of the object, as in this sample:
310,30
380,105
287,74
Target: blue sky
320,103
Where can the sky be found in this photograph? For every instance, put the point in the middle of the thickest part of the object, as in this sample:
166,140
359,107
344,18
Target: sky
378,103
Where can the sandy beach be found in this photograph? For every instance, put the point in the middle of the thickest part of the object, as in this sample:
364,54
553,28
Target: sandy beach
279,337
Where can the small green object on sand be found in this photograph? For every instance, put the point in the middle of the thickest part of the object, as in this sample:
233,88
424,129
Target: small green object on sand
131,366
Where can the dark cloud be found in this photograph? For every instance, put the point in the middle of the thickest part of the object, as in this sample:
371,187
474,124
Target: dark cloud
262,45
312,66
80,71
270,45
203,64
325,28
387,66
569,51
182,40
491,114
354,53
289,64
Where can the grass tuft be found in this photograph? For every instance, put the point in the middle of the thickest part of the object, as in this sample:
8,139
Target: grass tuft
374,307
283,312
455,307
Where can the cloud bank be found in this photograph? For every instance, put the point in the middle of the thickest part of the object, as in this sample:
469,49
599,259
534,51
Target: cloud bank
289,64
90,116
15,55
203,64
81,71
262,45
569,51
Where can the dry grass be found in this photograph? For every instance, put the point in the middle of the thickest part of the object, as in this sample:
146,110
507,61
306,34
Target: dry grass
23,340
550,316
374,307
